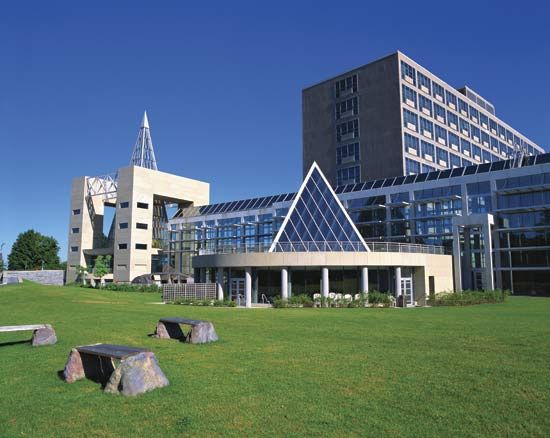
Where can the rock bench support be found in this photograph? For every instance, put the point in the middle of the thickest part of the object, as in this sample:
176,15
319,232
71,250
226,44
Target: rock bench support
135,371
201,331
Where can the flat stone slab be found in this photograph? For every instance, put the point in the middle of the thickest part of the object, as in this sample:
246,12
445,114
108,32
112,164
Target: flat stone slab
124,370
201,331
43,334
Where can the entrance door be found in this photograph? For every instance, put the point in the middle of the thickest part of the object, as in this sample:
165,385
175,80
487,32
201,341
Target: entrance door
236,290
407,290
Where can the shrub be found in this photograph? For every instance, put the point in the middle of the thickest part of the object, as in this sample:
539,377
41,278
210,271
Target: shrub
123,287
294,301
469,297
204,302
376,299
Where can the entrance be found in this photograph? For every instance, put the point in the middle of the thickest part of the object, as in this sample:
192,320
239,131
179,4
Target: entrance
236,291
407,291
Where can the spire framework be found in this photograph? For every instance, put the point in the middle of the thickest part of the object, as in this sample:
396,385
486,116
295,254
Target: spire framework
144,154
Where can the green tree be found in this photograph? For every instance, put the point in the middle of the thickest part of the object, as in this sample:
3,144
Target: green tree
32,250
102,267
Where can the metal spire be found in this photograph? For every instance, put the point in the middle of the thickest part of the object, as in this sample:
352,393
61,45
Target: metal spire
144,154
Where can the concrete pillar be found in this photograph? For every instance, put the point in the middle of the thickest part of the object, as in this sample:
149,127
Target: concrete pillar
364,280
466,267
248,286
397,281
289,282
488,249
284,283
456,259
255,285
324,282
219,280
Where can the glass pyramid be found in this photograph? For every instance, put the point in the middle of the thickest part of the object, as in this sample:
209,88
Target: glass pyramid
317,221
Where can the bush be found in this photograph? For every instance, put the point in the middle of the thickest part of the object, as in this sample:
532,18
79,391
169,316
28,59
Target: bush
376,299
123,287
204,302
294,301
469,297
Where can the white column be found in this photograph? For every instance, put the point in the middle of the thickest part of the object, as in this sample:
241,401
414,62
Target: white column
219,279
324,282
248,286
457,270
289,282
284,283
488,243
255,286
364,280
398,281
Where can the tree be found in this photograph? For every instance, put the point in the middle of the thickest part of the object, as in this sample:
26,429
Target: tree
81,272
32,250
102,267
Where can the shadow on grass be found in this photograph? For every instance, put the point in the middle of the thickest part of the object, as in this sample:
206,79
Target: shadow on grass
96,368
7,344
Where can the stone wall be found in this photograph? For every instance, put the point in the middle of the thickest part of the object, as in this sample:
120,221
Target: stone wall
54,277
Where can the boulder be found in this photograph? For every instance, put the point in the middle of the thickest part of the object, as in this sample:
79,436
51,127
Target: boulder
44,336
74,369
167,330
202,333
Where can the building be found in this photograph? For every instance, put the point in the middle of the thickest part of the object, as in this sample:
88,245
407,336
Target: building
493,217
393,117
139,196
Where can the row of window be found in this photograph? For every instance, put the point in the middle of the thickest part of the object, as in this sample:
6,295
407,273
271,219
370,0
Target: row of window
347,130
139,225
346,85
438,112
347,108
120,246
348,175
347,153
142,205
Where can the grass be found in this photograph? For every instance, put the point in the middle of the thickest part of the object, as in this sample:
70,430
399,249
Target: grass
468,371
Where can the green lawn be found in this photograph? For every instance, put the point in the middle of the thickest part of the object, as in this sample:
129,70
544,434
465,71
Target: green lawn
469,371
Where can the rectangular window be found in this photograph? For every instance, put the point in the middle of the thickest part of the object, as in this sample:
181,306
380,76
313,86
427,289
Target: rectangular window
426,127
493,126
424,83
143,205
427,150
124,205
141,226
76,211
503,148
494,144
413,167
347,108
346,86
474,114
453,141
438,92
485,138
141,246
509,137
466,162
455,160
451,99
476,152
475,133
466,147
441,134
347,130
75,230
442,157
426,168
411,144
463,107
408,73
409,96
502,132
348,175
452,120
488,157
74,248
464,127
123,225
440,112
122,246
425,105
484,120
347,153
410,120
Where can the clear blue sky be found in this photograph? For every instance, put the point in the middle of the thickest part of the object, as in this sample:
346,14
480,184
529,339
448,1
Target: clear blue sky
222,85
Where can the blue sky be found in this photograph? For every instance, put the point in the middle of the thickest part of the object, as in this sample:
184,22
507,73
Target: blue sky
222,85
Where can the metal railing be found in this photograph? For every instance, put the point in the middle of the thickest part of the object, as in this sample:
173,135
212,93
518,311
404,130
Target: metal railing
415,248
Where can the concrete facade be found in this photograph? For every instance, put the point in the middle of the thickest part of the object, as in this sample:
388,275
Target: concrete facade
49,277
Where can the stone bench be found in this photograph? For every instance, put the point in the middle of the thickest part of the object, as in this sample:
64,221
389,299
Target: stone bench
122,369
201,331
43,334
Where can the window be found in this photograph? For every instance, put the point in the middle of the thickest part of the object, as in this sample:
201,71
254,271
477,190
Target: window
485,138
141,226
409,96
464,127
502,132
348,175
346,86
143,205
484,120
425,105
410,119
488,157
493,126
427,150
347,130
455,160
76,211
411,144
466,162
122,246
452,120
346,108
466,147
424,83
509,137
439,113
347,153
463,107
141,246
441,134
74,248
408,73
442,156
476,152
124,205
438,92
475,133
494,144
451,99
453,141
123,225
503,148
75,230
426,127
413,167
426,168
474,114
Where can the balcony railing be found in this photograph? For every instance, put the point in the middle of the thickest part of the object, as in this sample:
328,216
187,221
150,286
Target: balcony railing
328,247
